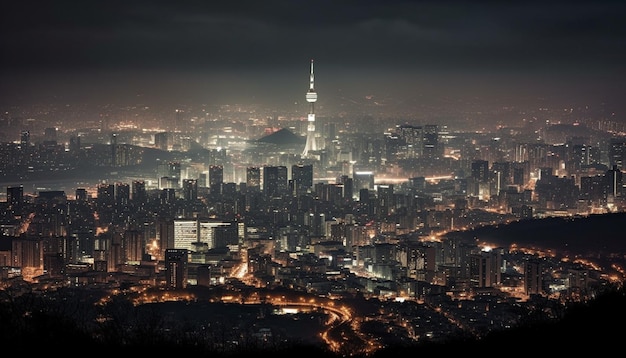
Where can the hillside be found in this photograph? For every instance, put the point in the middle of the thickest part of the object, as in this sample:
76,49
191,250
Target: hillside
593,235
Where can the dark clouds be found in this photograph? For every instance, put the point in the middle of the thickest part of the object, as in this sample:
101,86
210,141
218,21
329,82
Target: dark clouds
367,38
172,34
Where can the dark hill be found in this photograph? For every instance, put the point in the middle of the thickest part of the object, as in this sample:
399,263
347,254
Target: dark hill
600,234
595,326
282,137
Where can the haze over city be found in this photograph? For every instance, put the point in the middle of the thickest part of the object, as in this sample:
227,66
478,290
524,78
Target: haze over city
418,54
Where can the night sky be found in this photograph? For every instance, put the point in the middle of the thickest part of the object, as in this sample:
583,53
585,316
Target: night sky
239,51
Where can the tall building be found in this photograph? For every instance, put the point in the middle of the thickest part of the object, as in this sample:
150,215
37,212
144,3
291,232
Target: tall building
28,253
412,140
185,233
105,202
176,261
311,97
190,189
15,200
614,182
479,179
363,179
25,140
533,277
106,195
139,191
81,195
431,148
114,158
501,175
165,236
274,180
169,174
122,194
253,179
216,178
617,152
133,246
486,268
348,186
302,177
386,199
162,140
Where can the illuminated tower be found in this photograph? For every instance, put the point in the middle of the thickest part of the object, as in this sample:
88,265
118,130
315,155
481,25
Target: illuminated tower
311,97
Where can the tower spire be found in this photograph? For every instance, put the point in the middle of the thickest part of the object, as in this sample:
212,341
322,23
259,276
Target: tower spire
311,97
312,88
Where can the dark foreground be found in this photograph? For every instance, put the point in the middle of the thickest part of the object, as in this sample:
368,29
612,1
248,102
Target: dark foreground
595,326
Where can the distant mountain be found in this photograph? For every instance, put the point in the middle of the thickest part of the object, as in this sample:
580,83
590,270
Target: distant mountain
283,137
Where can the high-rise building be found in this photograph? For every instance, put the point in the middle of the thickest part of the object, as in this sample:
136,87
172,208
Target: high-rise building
122,194
25,140
431,149
479,178
274,180
105,202
386,199
190,189
185,233
580,156
133,245
216,178
501,175
114,158
167,196
162,140
253,179
106,195
311,97
302,177
28,253
533,277
202,180
169,174
617,153
348,186
81,195
176,269
15,200
412,138
165,236
363,179
486,268
614,182
139,191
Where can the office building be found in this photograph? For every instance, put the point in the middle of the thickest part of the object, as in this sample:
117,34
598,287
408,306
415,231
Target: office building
176,268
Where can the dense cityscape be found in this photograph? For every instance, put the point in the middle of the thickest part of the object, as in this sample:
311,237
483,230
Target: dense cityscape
338,229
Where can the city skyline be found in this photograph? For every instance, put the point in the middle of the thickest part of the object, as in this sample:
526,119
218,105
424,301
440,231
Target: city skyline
413,53
460,175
